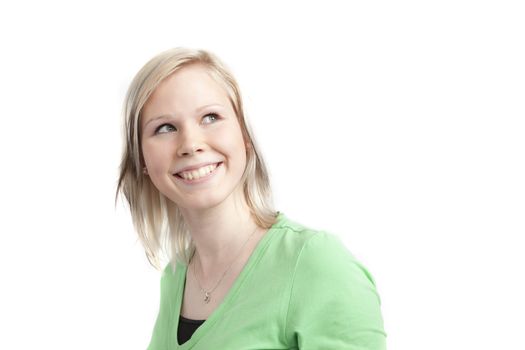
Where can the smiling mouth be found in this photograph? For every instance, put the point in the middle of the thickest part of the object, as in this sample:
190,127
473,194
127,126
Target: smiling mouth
198,173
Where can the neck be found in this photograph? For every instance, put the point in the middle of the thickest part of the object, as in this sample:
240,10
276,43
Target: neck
219,233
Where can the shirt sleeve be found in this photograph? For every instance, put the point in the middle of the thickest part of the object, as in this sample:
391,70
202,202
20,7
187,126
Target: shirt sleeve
333,302
161,331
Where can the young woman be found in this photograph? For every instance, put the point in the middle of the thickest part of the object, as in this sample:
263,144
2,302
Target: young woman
241,275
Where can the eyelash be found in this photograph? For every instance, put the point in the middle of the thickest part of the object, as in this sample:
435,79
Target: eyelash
214,115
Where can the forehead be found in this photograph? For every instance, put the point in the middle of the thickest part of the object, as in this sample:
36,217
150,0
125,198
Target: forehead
183,91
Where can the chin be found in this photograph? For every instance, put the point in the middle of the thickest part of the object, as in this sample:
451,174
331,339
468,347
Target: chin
201,203
208,201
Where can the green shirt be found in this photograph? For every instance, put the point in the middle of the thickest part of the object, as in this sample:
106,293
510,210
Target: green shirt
300,289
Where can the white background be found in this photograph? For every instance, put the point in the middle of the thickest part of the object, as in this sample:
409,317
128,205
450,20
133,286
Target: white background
397,125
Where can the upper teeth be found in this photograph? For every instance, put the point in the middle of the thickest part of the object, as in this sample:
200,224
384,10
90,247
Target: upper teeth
198,173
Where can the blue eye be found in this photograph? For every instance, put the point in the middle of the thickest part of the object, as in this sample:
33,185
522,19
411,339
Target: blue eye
213,117
164,128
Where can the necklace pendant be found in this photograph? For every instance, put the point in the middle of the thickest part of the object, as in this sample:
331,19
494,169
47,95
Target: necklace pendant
206,297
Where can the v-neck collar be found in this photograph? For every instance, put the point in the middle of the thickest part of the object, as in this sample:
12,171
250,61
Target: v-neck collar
180,280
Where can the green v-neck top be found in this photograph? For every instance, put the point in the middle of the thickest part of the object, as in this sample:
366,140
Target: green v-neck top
300,289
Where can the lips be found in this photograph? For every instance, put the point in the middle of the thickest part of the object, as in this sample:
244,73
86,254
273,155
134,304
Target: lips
197,173
195,167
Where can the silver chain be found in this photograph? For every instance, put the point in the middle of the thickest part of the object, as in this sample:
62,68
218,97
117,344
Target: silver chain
207,293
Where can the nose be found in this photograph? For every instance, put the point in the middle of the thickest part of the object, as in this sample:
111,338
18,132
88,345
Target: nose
190,142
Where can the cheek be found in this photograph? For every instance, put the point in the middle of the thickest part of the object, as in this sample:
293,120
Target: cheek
230,135
233,141
240,153
154,156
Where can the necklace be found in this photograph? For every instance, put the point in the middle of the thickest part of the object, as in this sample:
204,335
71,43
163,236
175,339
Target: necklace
207,293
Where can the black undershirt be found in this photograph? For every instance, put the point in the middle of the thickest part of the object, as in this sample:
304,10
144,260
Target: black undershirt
186,329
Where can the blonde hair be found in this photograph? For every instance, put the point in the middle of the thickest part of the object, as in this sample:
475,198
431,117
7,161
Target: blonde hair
157,220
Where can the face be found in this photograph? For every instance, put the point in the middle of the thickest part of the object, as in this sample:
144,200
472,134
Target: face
192,143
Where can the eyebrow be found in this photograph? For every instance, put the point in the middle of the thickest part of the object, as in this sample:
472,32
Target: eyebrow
171,115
